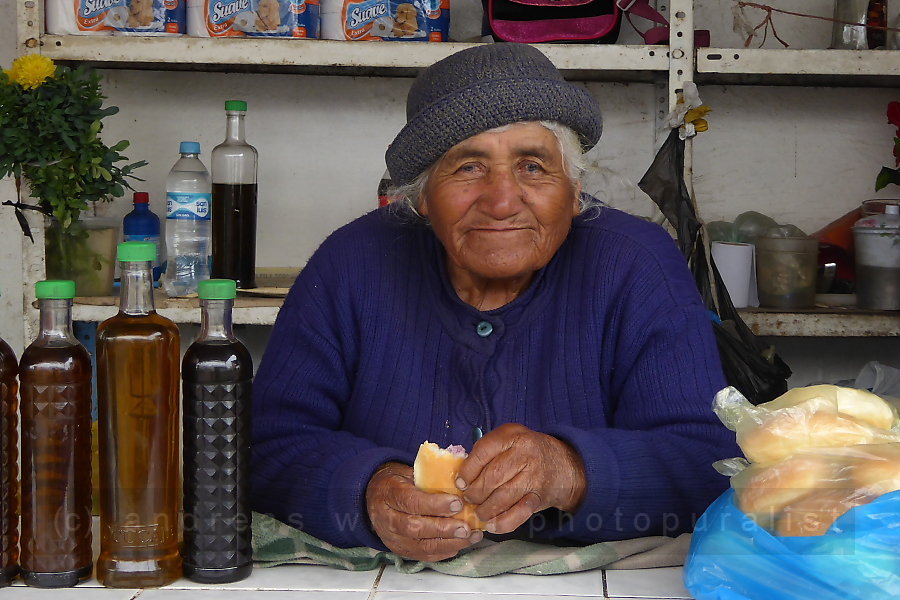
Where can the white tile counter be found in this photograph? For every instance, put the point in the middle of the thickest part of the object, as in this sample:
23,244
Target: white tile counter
301,582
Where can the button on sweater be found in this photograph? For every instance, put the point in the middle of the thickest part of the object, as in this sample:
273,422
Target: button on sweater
610,349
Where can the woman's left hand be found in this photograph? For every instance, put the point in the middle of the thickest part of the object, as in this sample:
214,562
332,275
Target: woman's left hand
514,472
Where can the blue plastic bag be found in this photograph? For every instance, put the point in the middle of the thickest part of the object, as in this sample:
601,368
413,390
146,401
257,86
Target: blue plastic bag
858,558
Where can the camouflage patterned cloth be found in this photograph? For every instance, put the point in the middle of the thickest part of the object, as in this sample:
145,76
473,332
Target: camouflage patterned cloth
275,543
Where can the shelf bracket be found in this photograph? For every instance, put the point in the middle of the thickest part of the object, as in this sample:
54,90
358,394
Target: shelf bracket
28,26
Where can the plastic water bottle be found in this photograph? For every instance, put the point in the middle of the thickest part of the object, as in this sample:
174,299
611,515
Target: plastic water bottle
188,196
142,225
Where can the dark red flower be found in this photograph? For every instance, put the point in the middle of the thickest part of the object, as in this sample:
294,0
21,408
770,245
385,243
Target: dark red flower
893,113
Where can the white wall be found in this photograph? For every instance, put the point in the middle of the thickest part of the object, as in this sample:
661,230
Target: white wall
801,155
10,235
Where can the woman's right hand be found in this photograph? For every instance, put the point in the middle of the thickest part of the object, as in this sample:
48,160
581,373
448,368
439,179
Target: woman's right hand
413,523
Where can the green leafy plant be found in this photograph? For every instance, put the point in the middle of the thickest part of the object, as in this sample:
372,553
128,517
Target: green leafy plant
50,123
887,175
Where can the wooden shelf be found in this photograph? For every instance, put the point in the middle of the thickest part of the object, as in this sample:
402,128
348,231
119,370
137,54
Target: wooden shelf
858,68
822,322
579,61
247,311
816,322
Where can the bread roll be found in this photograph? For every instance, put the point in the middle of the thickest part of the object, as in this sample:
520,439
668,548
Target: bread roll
763,492
435,470
861,405
788,431
879,472
815,513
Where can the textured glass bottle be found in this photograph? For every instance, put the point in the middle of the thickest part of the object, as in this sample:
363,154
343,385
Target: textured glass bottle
234,190
55,376
137,392
217,372
9,485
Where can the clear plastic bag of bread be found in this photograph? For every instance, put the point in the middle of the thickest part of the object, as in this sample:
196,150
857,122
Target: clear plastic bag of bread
811,455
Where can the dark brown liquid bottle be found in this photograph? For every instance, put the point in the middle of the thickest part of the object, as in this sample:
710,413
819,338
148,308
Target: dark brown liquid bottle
9,483
217,372
137,392
55,376
234,192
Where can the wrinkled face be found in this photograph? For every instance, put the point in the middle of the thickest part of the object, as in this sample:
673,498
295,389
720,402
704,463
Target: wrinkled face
501,202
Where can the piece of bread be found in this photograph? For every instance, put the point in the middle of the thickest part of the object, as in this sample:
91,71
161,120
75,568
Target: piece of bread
435,470
794,429
861,405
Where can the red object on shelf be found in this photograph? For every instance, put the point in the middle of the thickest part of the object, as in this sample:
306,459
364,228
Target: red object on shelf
840,231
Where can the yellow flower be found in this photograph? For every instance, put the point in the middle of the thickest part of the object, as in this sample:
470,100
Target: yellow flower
31,70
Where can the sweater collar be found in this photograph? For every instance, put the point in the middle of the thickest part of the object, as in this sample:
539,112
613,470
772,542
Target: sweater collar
465,323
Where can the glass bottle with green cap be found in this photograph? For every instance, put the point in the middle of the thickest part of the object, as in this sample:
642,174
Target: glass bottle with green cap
217,374
55,377
9,456
234,192
137,395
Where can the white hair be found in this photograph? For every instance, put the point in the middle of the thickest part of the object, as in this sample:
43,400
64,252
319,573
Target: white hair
408,197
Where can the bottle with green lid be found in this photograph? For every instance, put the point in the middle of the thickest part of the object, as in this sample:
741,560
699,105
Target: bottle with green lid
9,456
217,373
234,196
55,376
138,422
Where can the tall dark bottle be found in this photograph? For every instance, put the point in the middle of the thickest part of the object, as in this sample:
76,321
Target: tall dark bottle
234,165
138,421
217,372
9,482
55,377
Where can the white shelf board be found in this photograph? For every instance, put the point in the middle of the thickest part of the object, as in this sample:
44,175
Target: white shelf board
798,63
822,323
330,54
247,311
764,322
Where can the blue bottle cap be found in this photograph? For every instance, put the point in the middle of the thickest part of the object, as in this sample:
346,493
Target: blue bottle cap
189,148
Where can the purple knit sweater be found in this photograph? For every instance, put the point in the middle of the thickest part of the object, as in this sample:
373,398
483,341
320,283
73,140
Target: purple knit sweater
610,350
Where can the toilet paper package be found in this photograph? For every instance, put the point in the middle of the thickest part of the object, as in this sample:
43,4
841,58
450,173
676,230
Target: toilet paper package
122,17
78,17
386,20
149,17
253,18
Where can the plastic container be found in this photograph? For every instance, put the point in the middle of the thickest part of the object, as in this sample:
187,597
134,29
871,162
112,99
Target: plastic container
55,376
786,270
877,242
234,191
142,225
137,396
217,372
188,197
9,482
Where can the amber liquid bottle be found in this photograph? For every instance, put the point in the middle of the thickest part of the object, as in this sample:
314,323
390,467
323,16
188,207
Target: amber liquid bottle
55,376
137,392
9,484
217,372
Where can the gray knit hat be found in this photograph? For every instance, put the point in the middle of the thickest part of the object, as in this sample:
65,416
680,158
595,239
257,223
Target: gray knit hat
480,88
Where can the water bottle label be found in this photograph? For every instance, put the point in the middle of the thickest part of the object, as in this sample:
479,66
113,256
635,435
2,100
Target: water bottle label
189,205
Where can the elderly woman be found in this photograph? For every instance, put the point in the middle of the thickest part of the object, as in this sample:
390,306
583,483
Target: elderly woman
494,296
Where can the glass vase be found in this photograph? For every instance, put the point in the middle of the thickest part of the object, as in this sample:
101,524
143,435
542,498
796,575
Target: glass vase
85,252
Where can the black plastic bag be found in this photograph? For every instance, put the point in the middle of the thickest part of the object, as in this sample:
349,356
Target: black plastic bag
751,366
